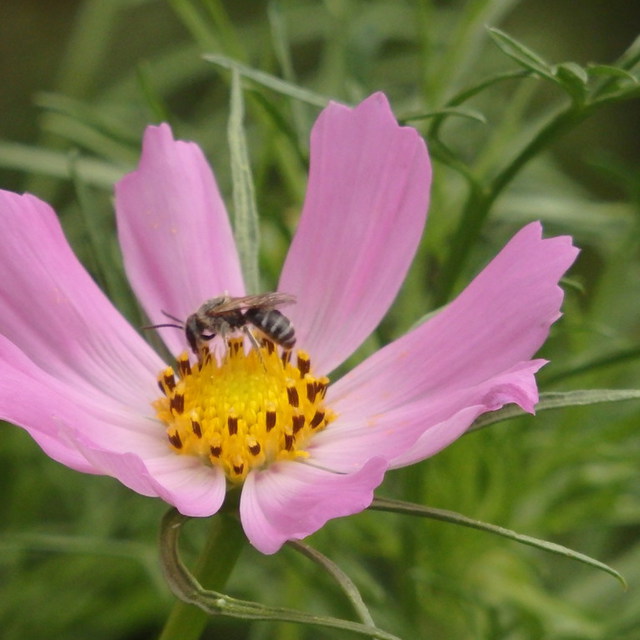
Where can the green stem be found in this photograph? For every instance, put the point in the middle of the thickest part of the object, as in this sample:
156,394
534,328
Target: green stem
226,541
481,199
189,589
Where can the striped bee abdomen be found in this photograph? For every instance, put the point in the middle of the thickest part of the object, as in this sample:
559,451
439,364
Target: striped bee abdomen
273,324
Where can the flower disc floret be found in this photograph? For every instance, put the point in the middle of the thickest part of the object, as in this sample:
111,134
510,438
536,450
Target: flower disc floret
245,412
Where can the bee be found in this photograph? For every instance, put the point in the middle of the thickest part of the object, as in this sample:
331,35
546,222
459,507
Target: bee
225,314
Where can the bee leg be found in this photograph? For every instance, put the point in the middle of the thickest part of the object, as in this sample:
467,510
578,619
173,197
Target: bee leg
199,344
254,343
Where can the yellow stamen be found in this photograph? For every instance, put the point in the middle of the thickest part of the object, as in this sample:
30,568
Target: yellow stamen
245,412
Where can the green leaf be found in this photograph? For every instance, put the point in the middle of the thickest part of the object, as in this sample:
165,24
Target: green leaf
631,56
215,563
572,283
56,164
557,400
110,275
524,56
282,49
154,100
606,70
615,83
269,81
461,112
185,586
399,506
279,121
573,70
345,582
246,223
195,22
618,94
573,79
487,83
108,125
594,363
467,94
66,544
609,85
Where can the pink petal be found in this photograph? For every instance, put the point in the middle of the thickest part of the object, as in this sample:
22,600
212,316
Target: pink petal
195,489
291,500
417,430
501,319
34,400
55,412
174,232
87,433
54,312
362,220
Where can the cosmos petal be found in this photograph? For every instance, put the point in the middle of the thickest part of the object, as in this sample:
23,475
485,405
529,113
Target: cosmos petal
501,319
32,399
174,232
91,435
194,489
419,429
517,386
55,313
291,500
362,220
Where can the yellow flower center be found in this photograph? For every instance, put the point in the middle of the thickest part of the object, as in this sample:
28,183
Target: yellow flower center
244,412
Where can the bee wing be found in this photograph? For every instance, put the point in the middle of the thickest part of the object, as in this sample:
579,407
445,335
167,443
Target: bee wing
262,300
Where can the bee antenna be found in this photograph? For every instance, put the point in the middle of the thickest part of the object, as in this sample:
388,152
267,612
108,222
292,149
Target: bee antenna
165,313
160,326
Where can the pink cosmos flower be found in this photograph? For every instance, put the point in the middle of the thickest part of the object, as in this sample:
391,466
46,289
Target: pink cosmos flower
84,383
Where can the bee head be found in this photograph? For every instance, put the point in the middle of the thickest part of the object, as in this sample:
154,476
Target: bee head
192,333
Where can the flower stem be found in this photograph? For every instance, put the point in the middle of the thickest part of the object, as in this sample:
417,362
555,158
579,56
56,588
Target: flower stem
224,544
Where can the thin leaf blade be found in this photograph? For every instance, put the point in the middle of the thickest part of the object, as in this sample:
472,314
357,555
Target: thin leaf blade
399,506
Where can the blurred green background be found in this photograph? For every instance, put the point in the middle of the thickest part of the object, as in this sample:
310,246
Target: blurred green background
81,79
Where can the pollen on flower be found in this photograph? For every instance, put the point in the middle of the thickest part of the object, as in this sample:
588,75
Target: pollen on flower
243,412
